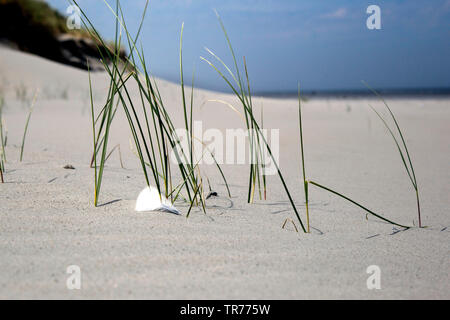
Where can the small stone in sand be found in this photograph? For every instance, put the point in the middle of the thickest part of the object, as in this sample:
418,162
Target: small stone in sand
69,166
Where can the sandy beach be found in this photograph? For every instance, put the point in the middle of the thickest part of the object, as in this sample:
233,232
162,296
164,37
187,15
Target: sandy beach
237,250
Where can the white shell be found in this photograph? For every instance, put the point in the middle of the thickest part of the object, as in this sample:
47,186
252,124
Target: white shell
150,200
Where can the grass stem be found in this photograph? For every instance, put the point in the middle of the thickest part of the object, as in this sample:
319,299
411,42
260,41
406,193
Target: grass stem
305,182
26,126
410,169
357,204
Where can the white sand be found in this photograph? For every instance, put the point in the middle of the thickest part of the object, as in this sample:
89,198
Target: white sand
237,250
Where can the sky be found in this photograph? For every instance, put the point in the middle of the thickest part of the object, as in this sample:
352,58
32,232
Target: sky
324,45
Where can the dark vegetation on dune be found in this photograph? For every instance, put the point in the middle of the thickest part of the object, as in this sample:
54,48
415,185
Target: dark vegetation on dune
33,26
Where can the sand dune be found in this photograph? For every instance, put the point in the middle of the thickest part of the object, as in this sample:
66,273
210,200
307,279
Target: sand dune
237,250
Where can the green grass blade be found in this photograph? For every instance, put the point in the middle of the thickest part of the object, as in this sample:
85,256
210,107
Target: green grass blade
305,183
93,136
263,164
191,127
231,50
192,201
398,129
26,126
357,204
396,143
413,179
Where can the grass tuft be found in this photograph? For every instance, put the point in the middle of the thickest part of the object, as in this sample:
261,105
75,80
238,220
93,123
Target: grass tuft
151,126
244,95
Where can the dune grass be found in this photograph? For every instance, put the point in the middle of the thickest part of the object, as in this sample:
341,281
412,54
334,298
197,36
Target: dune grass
154,132
150,124
39,15
244,95
101,135
30,111
35,26
108,111
404,153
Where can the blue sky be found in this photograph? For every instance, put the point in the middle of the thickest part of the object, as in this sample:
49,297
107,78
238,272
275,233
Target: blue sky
323,44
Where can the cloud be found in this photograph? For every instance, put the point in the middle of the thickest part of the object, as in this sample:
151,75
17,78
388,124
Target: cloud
339,13
262,6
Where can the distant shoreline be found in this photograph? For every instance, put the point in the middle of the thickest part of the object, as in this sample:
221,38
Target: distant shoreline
390,93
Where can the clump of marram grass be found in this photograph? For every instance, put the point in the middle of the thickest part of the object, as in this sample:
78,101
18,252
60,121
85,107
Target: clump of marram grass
243,93
404,154
101,134
153,134
108,111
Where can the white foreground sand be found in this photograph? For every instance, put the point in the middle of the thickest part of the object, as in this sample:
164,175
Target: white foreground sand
237,250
